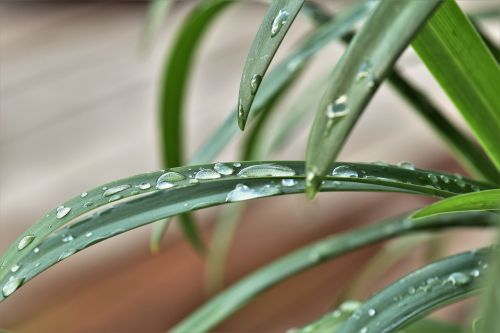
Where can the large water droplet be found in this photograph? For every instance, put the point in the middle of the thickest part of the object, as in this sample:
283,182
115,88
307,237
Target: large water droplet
266,170
11,285
205,174
170,176
62,211
164,185
458,279
344,171
406,165
15,268
243,192
278,22
25,241
255,82
288,182
223,169
114,197
115,189
144,186
237,164
338,108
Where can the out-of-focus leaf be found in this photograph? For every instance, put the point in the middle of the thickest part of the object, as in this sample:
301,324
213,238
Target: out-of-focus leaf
467,71
363,66
157,12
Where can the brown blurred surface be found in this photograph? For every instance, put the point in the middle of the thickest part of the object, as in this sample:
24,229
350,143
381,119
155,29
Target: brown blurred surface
77,109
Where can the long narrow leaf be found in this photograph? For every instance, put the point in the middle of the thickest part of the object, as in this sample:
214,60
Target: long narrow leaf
417,294
132,202
273,29
460,61
365,64
229,301
485,200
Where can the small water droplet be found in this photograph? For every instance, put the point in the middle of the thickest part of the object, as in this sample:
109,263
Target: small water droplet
406,165
458,279
37,264
237,164
15,268
134,192
88,204
83,195
170,176
363,330
432,178
116,189
338,108
62,211
242,192
266,170
288,182
344,171
241,112
336,314
36,250
372,312
144,186
66,254
255,82
194,181
11,285
114,198
350,306
445,179
223,169
475,273
460,182
411,290
88,234
67,238
25,241
278,22
205,174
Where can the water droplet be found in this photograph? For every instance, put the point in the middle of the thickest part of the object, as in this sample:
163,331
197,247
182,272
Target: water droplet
62,211
194,181
336,314
475,273
223,169
37,264
406,165
237,164
241,112
66,254
458,279
365,74
432,178
36,250
411,290
344,171
255,82
278,22
243,192
134,192
445,179
338,108
288,182
115,189
266,170
350,306
205,174
114,197
372,312
170,176
67,238
363,330
83,195
88,204
15,268
144,186
11,285
460,182
25,241
88,234
380,163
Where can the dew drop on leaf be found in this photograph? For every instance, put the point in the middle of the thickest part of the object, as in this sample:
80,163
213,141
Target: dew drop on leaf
278,22
406,165
344,171
254,83
15,268
144,186
11,285
205,174
458,279
242,192
223,169
288,182
62,211
116,189
266,170
25,241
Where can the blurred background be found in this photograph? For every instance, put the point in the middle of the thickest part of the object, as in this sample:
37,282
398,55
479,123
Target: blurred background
78,109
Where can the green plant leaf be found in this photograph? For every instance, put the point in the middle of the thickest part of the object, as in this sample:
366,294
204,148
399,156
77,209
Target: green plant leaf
460,61
417,294
229,301
158,10
132,202
363,66
171,103
484,200
278,20
281,76
432,326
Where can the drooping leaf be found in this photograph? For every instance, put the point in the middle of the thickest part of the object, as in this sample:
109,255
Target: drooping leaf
484,200
419,293
229,301
363,66
132,202
272,31
466,70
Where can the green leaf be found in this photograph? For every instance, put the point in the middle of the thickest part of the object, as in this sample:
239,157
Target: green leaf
229,301
462,64
432,326
281,75
417,294
132,202
171,104
484,200
157,11
363,66
278,20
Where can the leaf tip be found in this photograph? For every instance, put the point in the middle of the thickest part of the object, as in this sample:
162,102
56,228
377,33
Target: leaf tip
312,184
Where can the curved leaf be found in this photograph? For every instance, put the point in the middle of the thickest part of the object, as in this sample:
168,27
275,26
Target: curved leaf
484,200
273,29
417,294
363,66
132,202
232,299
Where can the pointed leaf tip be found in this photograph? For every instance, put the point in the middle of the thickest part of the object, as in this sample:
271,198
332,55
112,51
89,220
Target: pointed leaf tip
313,183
